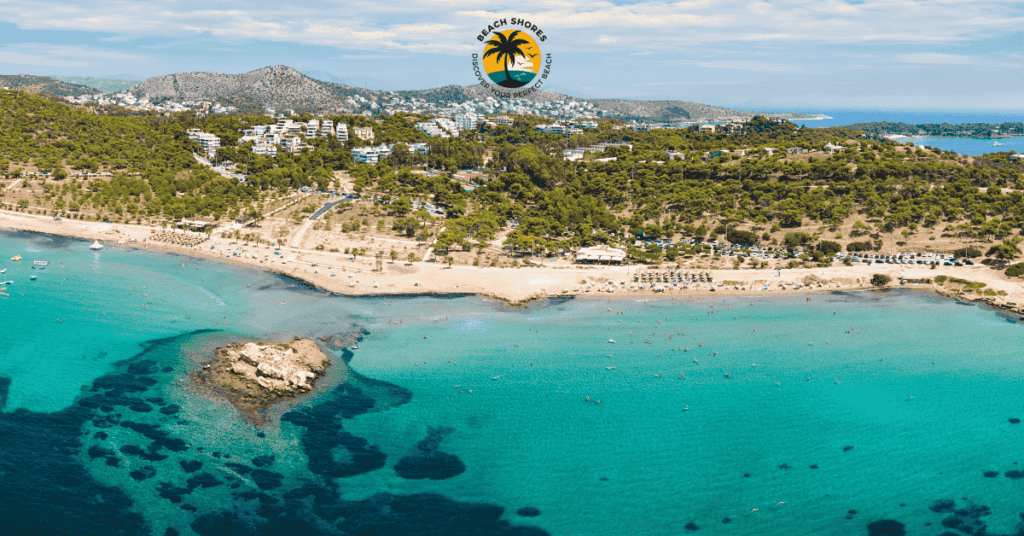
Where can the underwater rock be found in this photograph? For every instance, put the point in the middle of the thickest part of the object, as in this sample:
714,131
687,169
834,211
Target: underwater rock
991,474
848,448
691,526
434,465
191,466
5,387
1014,474
263,461
142,474
528,511
886,527
943,506
239,468
171,409
202,480
267,479
1014,421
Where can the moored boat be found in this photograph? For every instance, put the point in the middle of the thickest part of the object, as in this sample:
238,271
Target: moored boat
40,264
16,258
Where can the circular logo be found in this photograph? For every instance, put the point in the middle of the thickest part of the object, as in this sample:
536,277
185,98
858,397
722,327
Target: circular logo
511,58
511,64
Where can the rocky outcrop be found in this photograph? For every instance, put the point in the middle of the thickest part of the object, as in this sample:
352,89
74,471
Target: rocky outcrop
288,368
255,375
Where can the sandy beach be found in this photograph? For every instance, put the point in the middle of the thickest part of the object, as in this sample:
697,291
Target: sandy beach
342,274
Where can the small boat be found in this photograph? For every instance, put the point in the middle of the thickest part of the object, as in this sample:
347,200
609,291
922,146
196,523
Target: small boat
33,278
496,378
7,283
96,245
355,346
996,144
16,258
4,271
40,264
611,341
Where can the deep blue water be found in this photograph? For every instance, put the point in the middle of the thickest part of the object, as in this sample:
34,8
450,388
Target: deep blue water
465,416
969,146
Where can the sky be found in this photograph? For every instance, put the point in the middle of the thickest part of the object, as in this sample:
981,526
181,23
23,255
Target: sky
802,55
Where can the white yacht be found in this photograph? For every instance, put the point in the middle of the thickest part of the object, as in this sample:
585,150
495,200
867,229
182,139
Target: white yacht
96,245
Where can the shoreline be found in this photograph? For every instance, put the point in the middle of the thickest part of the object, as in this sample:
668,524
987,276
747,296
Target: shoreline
522,285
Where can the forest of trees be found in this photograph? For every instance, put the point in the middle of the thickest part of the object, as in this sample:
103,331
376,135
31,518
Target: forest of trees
553,203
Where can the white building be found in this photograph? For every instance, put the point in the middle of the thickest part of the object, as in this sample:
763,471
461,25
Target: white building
429,128
209,142
341,132
265,149
467,121
327,128
371,155
363,133
294,144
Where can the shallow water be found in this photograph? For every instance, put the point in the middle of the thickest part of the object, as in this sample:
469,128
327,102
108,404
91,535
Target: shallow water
101,423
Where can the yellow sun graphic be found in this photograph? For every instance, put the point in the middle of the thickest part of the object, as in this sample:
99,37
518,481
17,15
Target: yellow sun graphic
511,58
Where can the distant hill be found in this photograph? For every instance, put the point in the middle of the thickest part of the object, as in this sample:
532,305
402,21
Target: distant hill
278,87
649,111
103,85
43,85
282,88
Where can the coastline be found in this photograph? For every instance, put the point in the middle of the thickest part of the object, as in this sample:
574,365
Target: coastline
341,275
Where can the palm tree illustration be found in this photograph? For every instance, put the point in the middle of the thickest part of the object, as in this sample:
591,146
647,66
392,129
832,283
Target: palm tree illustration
505,49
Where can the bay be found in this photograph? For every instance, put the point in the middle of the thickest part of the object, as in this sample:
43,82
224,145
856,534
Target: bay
801,410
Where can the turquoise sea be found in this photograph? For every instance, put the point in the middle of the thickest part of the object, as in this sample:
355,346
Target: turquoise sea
890,412
519,76
969,146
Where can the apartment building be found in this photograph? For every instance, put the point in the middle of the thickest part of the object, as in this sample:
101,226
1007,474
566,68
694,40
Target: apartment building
363,133
371,155
209,142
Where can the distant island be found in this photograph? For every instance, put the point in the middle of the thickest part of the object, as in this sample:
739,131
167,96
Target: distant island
942,130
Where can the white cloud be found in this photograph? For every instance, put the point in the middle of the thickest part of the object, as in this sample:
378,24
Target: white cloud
47,55
448,26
